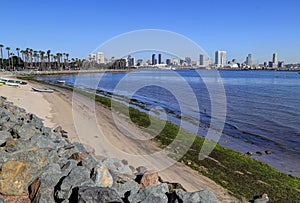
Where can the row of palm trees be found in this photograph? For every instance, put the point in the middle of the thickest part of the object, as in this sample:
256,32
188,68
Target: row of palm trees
38,60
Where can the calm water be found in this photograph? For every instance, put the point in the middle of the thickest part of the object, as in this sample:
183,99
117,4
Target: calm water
263,107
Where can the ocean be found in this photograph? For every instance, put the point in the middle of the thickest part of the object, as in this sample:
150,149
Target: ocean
262,107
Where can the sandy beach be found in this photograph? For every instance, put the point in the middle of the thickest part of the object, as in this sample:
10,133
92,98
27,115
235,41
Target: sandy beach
95,126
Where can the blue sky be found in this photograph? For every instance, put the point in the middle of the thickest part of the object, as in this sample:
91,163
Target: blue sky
260,27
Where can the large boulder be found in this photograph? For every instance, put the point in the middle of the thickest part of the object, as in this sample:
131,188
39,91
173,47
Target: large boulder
102,177
203,196
95,194
151,194
79,176
16,176
149,178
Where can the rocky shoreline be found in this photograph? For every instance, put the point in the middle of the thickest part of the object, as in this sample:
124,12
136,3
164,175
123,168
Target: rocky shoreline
39,164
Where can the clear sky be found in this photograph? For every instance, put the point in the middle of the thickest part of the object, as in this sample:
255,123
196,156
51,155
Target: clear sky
260,27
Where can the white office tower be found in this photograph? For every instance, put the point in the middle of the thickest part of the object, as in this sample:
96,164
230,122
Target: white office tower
100,57
220,58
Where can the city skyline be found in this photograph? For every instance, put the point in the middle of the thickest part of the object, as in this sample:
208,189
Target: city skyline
79,27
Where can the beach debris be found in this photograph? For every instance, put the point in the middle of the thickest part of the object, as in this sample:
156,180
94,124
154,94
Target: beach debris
261,199
45,166
268,152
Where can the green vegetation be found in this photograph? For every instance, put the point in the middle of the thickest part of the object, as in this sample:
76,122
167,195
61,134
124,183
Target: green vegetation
242,176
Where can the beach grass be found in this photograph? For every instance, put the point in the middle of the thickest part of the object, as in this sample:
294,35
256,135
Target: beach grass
241,175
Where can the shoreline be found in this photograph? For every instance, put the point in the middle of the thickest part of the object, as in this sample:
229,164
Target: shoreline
238,165
60,102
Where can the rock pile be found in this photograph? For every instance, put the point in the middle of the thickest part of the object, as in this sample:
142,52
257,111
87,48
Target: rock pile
44,164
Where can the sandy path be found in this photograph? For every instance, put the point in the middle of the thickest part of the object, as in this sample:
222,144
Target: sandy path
94,125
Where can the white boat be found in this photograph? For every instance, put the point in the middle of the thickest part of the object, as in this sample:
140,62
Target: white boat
42,89
13,84
61,81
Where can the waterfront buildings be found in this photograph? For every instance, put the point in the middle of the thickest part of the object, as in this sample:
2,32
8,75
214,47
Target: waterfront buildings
154,61
249,60
159,58
201,60
220,58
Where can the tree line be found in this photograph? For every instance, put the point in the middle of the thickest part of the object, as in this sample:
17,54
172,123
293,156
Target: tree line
36,60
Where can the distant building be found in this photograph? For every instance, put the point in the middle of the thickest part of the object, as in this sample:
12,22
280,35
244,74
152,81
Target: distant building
201,60
153,60
100,57
275,60
139,62
168,61
220,58
175,61
249,60
280,64
159,58
188,61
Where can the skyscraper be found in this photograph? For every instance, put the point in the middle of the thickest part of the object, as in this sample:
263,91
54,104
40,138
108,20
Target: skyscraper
249,60
220,58
275,59
201,62
153,59
159,58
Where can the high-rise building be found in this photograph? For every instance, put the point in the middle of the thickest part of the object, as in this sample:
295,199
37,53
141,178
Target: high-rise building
159,58
275,59
201,60
100,57
153,59
249,60
188,60
220,58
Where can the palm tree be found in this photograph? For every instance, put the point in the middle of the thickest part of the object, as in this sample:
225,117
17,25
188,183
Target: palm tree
12,60
35,58
58,56
49,59
8,48
67,59
1,46
30,57
18,51
42,53
23,57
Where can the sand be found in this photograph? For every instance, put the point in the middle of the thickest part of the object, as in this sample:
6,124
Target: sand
109,134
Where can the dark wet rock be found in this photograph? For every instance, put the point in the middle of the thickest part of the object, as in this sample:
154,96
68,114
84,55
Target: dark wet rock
203,196
151,194
79,176
95,194
259,153
268,152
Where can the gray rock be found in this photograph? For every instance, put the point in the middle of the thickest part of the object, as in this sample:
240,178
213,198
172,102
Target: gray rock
3,136
141,170
102,177
25,131
90,162
151,194
95,194
129,186
49,178
119,171
79,176
262,199
203,196
42,142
